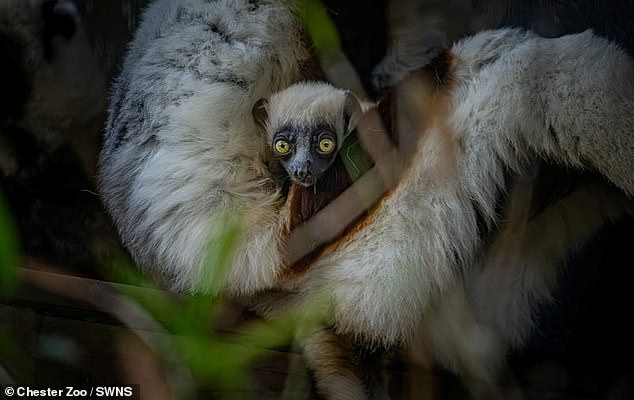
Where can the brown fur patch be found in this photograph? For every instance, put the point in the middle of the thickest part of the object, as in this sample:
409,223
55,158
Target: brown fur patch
359,214
421,110
439,69
307,201
304,202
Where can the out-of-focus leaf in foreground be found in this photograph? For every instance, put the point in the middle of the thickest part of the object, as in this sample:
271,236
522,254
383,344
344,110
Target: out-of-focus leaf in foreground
9,249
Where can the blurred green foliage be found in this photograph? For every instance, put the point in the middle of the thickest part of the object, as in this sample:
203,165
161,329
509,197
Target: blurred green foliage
354,158
320,27
9,249
219,361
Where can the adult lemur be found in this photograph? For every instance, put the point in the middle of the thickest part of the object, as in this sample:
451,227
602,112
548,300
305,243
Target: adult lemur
452,261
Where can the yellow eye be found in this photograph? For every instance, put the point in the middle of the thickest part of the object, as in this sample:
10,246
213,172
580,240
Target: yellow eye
326,145
282,146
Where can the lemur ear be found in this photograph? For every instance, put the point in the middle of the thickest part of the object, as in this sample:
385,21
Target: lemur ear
352,111
260,112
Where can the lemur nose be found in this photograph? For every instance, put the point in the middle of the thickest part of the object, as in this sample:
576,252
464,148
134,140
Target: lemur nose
301,173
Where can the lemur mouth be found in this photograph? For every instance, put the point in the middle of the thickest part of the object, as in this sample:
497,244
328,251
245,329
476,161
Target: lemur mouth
307,181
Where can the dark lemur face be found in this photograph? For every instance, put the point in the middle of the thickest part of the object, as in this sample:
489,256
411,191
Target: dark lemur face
305,126
305,152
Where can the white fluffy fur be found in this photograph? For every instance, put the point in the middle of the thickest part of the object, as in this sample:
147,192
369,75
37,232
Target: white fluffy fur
509,88
189,156
190,159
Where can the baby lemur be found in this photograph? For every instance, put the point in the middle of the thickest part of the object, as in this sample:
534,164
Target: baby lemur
306,125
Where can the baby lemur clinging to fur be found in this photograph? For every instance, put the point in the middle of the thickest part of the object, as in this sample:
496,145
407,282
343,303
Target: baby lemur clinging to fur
306,125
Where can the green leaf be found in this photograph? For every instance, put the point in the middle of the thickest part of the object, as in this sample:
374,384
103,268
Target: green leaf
319,25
